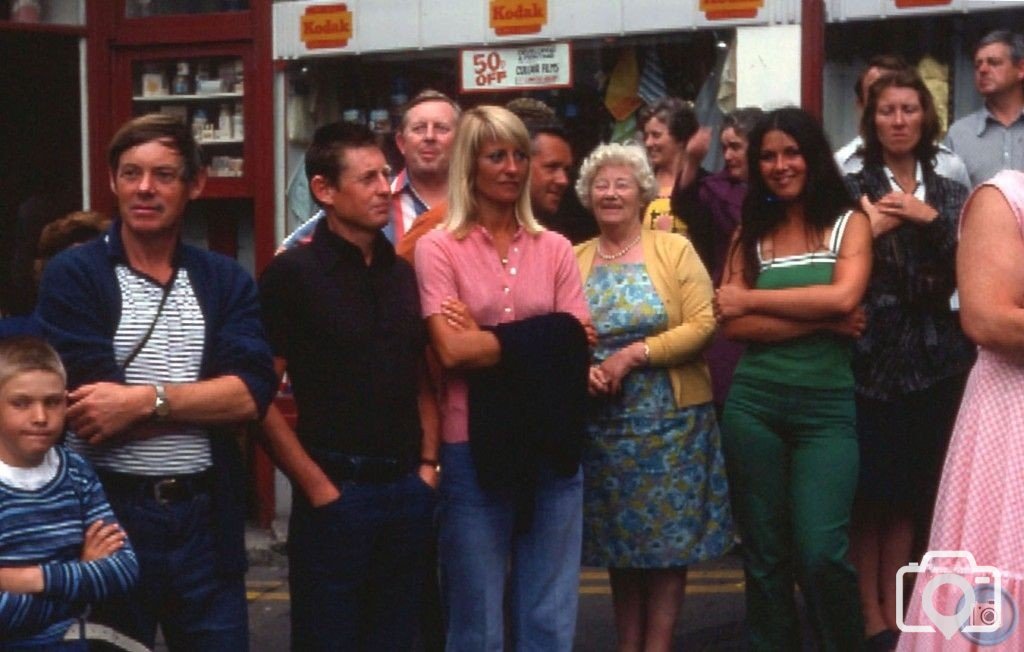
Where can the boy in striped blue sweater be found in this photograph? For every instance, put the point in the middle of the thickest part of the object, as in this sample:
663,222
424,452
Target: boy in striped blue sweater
60,546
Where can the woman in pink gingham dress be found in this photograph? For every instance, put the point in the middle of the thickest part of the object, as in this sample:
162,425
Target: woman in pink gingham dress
980,506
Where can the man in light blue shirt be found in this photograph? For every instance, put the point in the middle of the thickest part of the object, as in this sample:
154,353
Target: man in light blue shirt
992,138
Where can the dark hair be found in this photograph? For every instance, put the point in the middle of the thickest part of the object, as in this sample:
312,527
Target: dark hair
824,195
538,117
677,114
325,155
886,62
1012,40
926,149
163,128
72,229
742,121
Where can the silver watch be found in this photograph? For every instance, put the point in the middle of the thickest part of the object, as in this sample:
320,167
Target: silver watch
161,408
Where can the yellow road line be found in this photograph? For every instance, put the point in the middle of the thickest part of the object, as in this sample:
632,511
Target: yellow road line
691,589
272,596
694,589
726,574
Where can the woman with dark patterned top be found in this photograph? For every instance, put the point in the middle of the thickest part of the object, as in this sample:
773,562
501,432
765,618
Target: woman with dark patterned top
911,363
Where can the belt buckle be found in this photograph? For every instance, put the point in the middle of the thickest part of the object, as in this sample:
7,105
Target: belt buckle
164,489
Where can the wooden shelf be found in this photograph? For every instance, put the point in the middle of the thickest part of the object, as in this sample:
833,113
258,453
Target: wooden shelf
188,98
222,141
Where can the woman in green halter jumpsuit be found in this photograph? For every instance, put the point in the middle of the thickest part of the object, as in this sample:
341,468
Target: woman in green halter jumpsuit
795,277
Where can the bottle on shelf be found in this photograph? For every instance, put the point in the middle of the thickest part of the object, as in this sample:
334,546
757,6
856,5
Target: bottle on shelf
224,122
239,86
238,122
182,84
199,123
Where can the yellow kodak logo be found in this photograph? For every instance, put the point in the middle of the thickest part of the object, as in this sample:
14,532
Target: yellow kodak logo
518,16
726,9
326,26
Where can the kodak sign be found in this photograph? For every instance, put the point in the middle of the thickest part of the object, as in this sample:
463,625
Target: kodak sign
730,9
509,17
326,26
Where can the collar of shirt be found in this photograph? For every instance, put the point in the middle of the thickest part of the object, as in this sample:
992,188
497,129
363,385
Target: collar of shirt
985,118
402,184
336,251
480,233
115,246
918,180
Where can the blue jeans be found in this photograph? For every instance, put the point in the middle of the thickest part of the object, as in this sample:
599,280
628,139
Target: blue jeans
180,587
478,542
356,565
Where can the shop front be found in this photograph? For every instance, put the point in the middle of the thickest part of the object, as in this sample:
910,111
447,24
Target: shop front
595,65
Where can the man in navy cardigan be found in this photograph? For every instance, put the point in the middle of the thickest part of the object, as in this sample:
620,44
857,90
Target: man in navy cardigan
164,346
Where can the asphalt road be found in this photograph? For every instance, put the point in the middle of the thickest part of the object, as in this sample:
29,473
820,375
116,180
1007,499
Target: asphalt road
712,617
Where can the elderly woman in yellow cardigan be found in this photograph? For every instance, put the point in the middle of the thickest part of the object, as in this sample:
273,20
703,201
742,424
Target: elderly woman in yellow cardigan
655,497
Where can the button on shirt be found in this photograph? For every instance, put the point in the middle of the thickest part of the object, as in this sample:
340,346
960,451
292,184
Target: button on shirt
986,146
539,275
353,339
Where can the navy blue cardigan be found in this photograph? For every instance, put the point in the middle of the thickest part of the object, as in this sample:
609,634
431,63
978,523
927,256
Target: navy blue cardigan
79,310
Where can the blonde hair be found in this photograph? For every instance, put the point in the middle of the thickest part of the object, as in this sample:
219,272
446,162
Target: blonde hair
629,154
480,125
25,353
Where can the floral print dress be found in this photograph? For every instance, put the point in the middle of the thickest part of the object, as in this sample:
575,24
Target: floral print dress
655,490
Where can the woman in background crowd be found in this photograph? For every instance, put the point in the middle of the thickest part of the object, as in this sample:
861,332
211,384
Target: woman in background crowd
655,495
667,128
492,264
911,364
791,291
980,502
715,201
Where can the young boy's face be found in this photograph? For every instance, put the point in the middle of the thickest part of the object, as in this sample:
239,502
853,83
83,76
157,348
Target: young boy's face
32,406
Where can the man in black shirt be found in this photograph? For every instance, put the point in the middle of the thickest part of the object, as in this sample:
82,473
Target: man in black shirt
343,316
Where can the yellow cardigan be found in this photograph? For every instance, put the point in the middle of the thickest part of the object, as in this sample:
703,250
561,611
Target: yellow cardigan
685,289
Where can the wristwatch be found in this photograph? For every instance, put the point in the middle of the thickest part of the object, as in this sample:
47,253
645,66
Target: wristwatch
161,408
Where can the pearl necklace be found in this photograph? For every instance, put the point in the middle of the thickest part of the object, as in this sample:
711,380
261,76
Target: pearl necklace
621,252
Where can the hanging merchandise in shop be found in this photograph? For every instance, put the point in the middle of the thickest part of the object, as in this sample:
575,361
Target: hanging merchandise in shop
512,69
326,26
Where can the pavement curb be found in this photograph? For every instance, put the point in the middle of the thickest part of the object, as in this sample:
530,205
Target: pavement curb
266,546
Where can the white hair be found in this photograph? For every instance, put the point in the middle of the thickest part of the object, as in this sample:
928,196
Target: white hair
628,154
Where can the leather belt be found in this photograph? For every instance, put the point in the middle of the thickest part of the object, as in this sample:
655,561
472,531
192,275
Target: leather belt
164,489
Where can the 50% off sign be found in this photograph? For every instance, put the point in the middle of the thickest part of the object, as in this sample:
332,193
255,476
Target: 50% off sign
500,69
489,69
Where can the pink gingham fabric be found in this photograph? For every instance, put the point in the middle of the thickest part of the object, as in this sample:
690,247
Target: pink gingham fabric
980,505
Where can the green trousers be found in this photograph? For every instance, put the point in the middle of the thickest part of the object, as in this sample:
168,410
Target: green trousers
791,456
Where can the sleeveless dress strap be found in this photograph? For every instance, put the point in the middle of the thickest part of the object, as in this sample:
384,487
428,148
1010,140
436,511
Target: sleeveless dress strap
838,229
